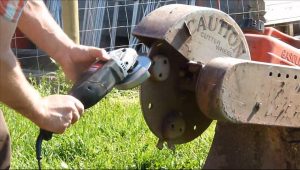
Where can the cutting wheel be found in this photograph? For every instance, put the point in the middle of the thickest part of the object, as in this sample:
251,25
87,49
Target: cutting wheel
171,111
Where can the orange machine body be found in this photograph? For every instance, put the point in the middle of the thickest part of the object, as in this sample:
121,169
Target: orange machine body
274,47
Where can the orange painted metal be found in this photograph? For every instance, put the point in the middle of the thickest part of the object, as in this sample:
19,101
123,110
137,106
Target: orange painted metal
274,47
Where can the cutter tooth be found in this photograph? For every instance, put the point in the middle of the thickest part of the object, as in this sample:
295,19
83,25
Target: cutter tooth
171,146
160,144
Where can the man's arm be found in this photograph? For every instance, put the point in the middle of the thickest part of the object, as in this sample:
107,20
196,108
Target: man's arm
14,88
53,113
37,23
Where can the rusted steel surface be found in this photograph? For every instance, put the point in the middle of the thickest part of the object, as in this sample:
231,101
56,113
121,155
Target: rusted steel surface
169,104
238,146
250,92
191,77
155,25
198,33
185,35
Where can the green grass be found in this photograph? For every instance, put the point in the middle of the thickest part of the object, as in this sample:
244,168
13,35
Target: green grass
112,134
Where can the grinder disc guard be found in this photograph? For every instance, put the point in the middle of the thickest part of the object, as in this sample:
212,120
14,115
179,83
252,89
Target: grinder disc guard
137,74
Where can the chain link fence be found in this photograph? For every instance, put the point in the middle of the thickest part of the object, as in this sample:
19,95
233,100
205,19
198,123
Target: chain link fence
108,23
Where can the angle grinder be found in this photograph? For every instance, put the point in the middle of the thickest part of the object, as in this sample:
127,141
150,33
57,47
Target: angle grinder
125,70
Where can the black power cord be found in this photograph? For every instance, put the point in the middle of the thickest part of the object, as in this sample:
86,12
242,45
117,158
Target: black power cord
44,135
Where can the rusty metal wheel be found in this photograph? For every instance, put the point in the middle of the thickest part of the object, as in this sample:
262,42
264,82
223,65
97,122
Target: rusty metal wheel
168,99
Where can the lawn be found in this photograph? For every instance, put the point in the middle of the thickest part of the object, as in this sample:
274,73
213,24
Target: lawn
112,134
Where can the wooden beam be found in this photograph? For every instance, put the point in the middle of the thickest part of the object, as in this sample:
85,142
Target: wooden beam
70,19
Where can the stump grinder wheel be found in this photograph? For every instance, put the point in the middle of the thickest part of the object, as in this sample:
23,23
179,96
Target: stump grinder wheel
182,39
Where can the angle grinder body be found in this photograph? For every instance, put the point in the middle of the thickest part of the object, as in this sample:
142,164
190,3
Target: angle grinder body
125,70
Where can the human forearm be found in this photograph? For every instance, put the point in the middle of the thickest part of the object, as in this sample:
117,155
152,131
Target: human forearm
37,24
40,27
53,113
15,91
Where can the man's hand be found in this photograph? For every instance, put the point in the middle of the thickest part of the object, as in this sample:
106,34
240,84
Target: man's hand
78,58
58,112
53,113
